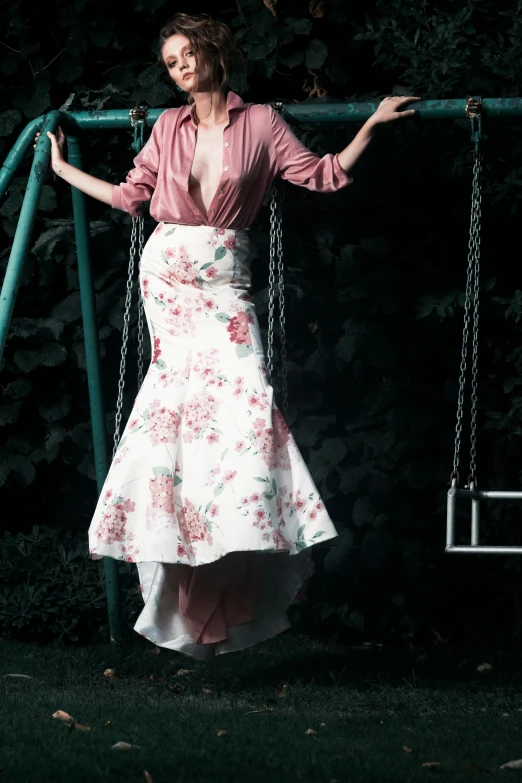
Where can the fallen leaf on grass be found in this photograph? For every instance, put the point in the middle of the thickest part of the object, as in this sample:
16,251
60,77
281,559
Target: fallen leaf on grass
512,764
430,764
107,725
109,673
406,749
484,667
310,731
81,727
61,715
22,676
147,776
221,732
266,711
181,672
123,746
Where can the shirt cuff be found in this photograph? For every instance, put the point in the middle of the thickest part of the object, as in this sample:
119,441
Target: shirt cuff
116,198
340,173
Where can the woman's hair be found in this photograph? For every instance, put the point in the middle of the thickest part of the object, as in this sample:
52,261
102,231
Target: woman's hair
211,41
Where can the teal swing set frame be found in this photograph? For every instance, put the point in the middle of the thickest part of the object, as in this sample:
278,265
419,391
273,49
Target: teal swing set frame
75,122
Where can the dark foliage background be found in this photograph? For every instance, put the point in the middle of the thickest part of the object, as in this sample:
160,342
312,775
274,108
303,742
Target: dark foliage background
374,304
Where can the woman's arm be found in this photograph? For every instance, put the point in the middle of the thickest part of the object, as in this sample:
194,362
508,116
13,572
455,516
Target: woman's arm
97,188
127,196
386,111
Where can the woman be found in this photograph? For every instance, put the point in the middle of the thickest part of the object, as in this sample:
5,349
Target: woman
207,485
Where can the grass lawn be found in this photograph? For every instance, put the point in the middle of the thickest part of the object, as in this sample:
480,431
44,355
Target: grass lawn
289,709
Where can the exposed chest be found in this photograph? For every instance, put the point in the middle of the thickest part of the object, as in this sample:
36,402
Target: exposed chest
207,163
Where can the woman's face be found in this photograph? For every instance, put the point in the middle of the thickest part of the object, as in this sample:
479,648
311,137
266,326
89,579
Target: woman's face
180,61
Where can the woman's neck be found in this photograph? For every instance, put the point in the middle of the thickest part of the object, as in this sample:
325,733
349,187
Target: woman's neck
210,108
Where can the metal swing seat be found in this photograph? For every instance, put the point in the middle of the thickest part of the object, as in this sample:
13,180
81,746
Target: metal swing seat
471,318
137,118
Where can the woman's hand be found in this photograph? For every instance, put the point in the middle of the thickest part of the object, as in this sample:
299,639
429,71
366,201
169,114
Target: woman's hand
388,108
57,143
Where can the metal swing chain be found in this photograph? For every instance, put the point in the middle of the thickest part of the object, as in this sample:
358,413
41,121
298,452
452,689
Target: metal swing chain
471,303
137,237
276,245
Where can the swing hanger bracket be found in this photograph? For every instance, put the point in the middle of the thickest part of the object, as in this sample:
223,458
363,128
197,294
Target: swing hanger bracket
474,113
137,114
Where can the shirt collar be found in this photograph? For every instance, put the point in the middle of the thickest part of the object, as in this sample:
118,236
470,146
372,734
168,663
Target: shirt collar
234,102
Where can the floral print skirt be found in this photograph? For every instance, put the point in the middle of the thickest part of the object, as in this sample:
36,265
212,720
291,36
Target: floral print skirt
208,493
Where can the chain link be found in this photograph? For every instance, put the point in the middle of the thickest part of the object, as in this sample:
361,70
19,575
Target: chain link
135,254
276,246
471,304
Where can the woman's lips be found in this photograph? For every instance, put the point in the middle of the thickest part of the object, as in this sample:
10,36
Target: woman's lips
187,74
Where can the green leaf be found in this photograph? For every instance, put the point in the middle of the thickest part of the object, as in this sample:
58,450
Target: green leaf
8,414
300,26
274,486
56,409
258,478
160,364
300,531
52,354
291,59
220,252
222,317
243,350
27,360
316,53
207,265
219,489
8,121
12,204
47,202
23,467
161,470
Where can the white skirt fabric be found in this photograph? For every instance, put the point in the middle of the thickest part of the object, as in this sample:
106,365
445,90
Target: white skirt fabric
207,483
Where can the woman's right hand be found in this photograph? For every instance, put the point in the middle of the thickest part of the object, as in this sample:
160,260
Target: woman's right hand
57,143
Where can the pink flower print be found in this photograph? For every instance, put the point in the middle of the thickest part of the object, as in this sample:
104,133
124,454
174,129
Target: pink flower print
239,381
319,505
113,524
229,475
265,444
182,551
259,423
163,423
158,228
214,241
240,445
145,287
214,510
211,271
238,329
191,522
299,503
312,514
108,494
200,411
279,540
244,501
230,241
213,437
221,230
169,252
210,304
157,350
253,400
177,469
260,514
238,391
133,423
162,491
255,497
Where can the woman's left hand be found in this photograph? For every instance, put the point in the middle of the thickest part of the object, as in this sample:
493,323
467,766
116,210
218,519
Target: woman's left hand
389,108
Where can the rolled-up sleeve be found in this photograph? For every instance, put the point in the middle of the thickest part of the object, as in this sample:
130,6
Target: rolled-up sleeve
299,165
141,180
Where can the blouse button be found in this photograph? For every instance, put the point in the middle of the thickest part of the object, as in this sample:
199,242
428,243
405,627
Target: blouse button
226,168
227,144
221,191
212,210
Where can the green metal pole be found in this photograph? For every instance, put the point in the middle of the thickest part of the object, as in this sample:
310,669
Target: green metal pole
22,237
92,354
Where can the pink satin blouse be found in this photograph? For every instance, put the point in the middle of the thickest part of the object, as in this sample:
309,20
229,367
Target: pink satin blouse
258,146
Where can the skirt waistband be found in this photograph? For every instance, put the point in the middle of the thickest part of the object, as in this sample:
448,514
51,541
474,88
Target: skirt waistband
203,225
